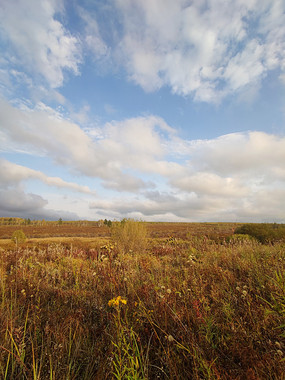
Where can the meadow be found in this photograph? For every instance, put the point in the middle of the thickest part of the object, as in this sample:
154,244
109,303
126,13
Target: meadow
141,301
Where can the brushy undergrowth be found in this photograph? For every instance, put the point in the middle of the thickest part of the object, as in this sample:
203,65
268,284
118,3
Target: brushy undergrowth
179,309
266,233
129,236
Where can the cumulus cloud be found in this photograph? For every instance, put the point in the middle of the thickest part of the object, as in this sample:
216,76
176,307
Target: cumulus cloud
117,148
205,49
37,40
217,179
211,184
234,177
245,154
117,153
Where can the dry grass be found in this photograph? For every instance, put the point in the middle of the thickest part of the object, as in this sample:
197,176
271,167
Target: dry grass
194,309
91,229
130,236
69,242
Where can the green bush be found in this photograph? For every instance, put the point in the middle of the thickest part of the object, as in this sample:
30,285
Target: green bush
19,237
130,236
265,233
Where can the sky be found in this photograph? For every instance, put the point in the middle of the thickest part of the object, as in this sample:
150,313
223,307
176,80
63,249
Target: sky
157,110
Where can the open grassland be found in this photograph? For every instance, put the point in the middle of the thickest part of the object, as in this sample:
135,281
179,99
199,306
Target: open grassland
55,230
91,230
135,304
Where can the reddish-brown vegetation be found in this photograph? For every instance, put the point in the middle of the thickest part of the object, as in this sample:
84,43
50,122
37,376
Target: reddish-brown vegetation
90,229
194,308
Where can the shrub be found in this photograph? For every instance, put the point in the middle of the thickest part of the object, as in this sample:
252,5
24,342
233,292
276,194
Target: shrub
130,236
19,237
264,233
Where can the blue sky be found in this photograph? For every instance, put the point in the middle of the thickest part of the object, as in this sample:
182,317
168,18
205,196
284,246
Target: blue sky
157,110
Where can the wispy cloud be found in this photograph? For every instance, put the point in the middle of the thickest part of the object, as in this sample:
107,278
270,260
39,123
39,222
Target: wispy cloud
91,35
13,174
37,41
208,50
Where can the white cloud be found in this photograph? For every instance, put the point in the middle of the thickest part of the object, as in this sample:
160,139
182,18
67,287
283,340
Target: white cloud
208,50
92,35
15,201
13,174
218,179
140,136
244,154
211,184
234,177
245,67
37,40
42,131
205,49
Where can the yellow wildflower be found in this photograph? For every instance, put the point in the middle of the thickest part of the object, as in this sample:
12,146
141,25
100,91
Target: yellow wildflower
117,301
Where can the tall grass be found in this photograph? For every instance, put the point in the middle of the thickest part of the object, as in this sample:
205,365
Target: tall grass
130,236
193,309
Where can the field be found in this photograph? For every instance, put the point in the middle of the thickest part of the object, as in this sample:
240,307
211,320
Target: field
140,301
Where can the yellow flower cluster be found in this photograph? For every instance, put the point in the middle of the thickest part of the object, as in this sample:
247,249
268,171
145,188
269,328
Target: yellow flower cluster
116,301
107,247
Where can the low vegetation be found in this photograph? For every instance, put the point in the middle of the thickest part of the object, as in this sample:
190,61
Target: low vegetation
130,236
165,308
265,233
18,237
